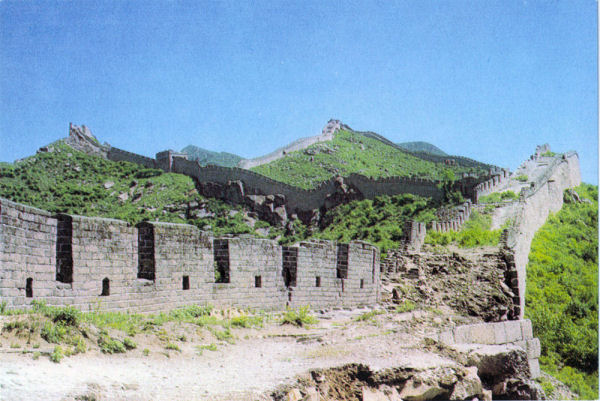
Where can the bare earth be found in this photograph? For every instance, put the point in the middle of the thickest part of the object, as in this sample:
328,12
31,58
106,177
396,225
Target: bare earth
259,361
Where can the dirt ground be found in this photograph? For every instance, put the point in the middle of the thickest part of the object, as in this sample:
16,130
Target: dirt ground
258,361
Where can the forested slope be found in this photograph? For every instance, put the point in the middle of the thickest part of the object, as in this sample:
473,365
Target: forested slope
562,292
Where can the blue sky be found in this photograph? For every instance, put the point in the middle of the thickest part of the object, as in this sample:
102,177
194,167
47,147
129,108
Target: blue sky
484,79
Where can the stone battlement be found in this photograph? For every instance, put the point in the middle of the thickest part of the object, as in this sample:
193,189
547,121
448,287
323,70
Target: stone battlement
92,262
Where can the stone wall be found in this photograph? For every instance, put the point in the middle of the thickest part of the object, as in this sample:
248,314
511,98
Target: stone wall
513,332
454,220
107,264
234,184
491,184
299,144
544,196
118,155
298,200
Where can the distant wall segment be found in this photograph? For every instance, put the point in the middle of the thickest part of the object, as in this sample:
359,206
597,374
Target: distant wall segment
116,266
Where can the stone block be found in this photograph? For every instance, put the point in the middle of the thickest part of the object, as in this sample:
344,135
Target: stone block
526,329
534,348
446,337
499,333
513,331
482,334
462,335
534,368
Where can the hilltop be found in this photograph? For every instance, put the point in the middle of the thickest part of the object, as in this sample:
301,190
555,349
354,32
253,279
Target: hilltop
357,152
424,147
204,156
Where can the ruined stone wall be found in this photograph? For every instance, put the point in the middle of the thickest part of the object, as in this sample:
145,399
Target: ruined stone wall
98,263
513,332
545,196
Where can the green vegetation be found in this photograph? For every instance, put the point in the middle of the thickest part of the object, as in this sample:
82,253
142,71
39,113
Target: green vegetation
209,347
522,178
347,153
110,345
378,221
498,197
69,181
173,347
369,316
57,355
406,306
562,293
548,154
300,317
129,343
475,232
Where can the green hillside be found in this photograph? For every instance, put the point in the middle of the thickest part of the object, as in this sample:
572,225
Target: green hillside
350,152
425,147
69,181
562,292
205,157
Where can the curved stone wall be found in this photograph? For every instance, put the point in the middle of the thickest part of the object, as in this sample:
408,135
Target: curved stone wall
544,196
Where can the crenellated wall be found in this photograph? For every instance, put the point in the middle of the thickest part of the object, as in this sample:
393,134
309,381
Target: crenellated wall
91,262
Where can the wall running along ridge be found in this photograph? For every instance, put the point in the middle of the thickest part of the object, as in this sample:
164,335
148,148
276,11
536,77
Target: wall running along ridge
91,263
234,184
544,196
299,144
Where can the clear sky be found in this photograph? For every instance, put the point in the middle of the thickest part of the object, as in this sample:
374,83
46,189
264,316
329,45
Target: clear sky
484,79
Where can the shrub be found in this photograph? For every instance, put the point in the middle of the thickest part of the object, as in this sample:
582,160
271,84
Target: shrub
57,355
68,316
406,306
299,317
522,178
109,345
246,321
368,315
129,343
53,333
174,347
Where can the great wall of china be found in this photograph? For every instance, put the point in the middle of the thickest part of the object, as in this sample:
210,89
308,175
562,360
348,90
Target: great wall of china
242,186
98,263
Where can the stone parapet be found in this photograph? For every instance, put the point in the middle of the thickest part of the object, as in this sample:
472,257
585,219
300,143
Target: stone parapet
99,263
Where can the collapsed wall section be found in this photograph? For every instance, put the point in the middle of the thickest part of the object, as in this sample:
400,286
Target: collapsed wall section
518,333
